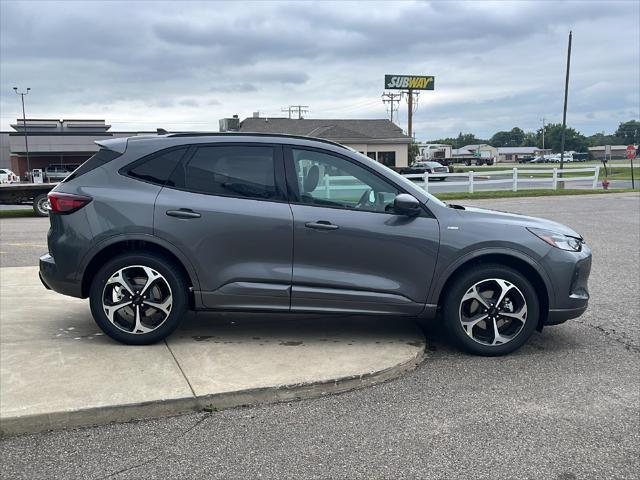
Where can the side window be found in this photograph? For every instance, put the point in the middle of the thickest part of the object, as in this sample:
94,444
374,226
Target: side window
331,181
158,168
239,171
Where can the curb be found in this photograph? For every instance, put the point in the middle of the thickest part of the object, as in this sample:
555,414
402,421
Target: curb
20,425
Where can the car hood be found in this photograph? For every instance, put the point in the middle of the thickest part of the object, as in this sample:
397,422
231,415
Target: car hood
496,216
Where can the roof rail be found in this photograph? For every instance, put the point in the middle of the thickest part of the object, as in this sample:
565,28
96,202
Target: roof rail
253,134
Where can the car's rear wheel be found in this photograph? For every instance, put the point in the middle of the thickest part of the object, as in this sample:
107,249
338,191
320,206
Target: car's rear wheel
491,310
138,298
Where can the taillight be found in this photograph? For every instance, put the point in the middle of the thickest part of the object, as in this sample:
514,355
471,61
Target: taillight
67,202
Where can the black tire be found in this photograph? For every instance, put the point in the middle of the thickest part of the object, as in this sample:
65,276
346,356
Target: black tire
164,267
41,205
463,282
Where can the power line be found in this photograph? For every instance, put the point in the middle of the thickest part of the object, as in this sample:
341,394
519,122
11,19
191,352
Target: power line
296,108
391,98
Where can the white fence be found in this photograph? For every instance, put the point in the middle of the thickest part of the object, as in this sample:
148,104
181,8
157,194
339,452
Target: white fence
551,177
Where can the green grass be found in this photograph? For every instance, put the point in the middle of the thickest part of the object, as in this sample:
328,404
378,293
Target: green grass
445,196
27,212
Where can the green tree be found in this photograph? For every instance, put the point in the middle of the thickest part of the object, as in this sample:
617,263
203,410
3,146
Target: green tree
530,139
574,140
629,131
511,138
414,151
603,139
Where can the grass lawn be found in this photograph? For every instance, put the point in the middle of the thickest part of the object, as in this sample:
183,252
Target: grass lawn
24,212
445,196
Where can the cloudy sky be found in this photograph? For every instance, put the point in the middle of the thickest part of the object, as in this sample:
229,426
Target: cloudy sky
183,65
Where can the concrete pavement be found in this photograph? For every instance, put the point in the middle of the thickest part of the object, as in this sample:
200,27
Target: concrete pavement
58,370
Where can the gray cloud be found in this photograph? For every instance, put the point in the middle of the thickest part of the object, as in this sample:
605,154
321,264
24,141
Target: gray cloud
496,64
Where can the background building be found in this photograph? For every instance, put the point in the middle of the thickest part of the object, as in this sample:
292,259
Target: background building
380,140
513,154
52,141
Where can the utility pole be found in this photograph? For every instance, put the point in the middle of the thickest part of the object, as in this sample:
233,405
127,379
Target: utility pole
566,95
296,108
392,98
542,135
410,113
24,124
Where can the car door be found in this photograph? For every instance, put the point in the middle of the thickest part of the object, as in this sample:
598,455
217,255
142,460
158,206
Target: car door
352,252
225,208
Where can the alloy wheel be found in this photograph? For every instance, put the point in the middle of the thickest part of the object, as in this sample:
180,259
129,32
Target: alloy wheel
137,299
493,312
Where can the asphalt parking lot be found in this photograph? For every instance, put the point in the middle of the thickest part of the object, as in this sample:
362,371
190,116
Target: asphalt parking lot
565,406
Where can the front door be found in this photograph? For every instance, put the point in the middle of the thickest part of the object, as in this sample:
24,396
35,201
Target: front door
226,210
351,251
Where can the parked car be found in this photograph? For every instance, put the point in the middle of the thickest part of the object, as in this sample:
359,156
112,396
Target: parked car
152,226
7,176
538,160
426,167
57,173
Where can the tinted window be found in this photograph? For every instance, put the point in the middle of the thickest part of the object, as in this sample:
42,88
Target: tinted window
158,169
100,158
239,171
327,180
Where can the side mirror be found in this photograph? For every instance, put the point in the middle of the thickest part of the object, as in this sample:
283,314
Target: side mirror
405,204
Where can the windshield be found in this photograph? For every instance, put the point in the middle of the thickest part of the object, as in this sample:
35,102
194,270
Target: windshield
400,179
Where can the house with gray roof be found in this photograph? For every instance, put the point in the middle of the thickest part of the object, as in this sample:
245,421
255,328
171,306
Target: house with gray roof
379,139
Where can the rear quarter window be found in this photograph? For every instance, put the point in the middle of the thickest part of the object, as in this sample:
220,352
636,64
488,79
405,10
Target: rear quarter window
101,157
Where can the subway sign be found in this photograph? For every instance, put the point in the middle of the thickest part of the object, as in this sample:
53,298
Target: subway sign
405,82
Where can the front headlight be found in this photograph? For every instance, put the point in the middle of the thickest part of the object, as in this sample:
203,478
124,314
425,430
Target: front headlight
558,240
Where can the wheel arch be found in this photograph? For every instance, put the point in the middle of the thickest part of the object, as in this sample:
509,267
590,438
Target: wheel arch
513,259
136,243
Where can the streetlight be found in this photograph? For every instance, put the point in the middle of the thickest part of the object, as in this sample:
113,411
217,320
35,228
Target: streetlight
24,125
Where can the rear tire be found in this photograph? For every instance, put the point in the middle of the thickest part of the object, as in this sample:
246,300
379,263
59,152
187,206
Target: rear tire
41,205
475,320
138,298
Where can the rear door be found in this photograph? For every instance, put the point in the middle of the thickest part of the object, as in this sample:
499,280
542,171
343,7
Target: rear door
225,208
351,251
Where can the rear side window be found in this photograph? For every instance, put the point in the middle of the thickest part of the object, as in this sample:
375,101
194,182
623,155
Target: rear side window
101,157
158,168
238,171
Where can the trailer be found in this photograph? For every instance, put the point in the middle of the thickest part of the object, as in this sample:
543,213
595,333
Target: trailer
27,193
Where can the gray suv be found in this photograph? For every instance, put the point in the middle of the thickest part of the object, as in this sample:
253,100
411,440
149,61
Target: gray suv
152,226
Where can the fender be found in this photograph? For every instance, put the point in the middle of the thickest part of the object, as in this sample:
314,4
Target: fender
439,281
96,249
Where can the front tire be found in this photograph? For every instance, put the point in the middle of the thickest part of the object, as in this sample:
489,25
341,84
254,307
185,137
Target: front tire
491,310
138,298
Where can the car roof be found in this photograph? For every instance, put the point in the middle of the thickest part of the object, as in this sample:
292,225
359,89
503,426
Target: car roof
120,144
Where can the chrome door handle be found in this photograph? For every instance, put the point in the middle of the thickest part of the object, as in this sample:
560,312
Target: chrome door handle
321,225
183,213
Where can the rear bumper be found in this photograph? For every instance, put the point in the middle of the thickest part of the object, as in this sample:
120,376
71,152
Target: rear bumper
52,279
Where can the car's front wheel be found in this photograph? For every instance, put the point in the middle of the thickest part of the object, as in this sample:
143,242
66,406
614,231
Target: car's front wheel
491,310
138,298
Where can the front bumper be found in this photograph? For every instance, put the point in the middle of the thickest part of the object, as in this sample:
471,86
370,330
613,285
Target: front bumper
571,285
52,279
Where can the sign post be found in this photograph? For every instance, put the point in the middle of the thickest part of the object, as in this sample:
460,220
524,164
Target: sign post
631,154
409,83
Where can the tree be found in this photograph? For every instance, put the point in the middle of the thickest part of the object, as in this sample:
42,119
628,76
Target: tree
414,151
512,138
530,139
629,131
574,140
603,139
